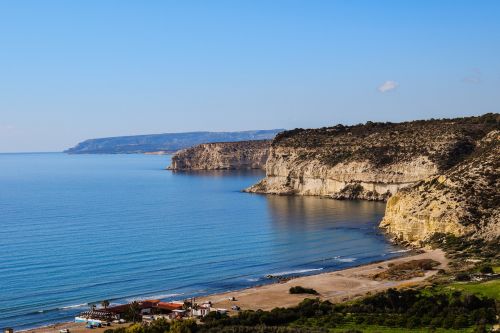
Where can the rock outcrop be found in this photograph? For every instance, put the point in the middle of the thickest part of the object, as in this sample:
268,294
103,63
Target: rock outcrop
370,161
223,156
463,201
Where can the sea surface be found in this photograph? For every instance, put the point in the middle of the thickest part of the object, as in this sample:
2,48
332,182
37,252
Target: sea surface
77,229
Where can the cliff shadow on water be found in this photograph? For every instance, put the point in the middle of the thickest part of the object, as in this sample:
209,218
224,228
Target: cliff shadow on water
309,213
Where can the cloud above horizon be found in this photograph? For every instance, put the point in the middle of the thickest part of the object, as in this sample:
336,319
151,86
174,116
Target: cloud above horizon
474,78
388,86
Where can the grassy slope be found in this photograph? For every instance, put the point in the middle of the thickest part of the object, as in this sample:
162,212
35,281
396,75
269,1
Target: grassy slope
384,329
489,288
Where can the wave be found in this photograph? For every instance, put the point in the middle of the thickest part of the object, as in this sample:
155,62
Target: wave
160,296
75,306
340,259
299,271
400,251
253,279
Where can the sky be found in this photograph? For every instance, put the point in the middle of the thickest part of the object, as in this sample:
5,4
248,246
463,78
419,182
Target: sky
73,70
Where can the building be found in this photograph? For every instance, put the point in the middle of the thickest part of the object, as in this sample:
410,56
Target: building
201,311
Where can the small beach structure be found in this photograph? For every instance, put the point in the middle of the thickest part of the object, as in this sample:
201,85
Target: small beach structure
8,330
164,307
201,311
96,317
149,309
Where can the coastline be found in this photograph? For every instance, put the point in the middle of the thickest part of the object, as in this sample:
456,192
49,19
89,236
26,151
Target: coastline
335,286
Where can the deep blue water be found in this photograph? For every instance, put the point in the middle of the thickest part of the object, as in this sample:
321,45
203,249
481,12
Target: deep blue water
76,229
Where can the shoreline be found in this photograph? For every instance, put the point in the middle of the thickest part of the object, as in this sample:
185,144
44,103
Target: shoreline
336,286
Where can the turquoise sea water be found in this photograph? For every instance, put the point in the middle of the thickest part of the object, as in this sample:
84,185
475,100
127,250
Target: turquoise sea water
76,229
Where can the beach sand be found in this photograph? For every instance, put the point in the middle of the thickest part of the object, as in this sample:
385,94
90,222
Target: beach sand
335,286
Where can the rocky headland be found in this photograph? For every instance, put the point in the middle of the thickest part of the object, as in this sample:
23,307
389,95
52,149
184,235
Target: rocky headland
440,176
223,156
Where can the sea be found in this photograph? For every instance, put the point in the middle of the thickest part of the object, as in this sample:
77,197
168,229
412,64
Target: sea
79,229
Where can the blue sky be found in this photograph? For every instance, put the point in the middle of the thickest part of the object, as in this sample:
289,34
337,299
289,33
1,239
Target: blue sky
71,70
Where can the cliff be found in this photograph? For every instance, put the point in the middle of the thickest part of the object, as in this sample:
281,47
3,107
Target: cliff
222,156
370,161
164,143
463,201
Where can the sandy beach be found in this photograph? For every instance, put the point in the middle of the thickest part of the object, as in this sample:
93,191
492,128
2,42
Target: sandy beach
335,286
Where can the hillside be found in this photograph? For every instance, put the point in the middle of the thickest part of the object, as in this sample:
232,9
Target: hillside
464,200
223,156
167,143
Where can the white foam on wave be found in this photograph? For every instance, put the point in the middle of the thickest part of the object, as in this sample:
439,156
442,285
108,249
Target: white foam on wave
401,251
340,259
74,306
143,298
299,271
252,279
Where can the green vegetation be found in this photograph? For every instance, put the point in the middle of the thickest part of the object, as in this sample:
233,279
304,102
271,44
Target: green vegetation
302,290
383,329
486,269
458,249
436,309
408,309
385,143
406,270
489,289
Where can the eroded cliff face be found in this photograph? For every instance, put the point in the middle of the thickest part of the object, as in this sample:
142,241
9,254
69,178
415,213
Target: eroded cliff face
371,161
287,173
464,200
223,156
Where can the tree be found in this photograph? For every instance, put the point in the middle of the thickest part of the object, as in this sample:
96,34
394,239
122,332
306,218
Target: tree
160,325
135,328
105,303
183,326
186,305
134,311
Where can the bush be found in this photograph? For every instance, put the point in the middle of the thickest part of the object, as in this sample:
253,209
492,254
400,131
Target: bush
183,326
302,290
486,269
135,328
462,277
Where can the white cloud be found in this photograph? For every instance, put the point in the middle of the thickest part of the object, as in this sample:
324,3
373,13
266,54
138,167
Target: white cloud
474,78
388,86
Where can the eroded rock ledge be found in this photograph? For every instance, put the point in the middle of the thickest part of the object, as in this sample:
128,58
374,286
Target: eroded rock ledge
223,156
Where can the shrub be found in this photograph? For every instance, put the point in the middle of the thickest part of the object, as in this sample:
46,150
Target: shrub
462,277
302,290
486,269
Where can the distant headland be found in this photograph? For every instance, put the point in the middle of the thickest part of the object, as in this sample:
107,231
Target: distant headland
164,143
